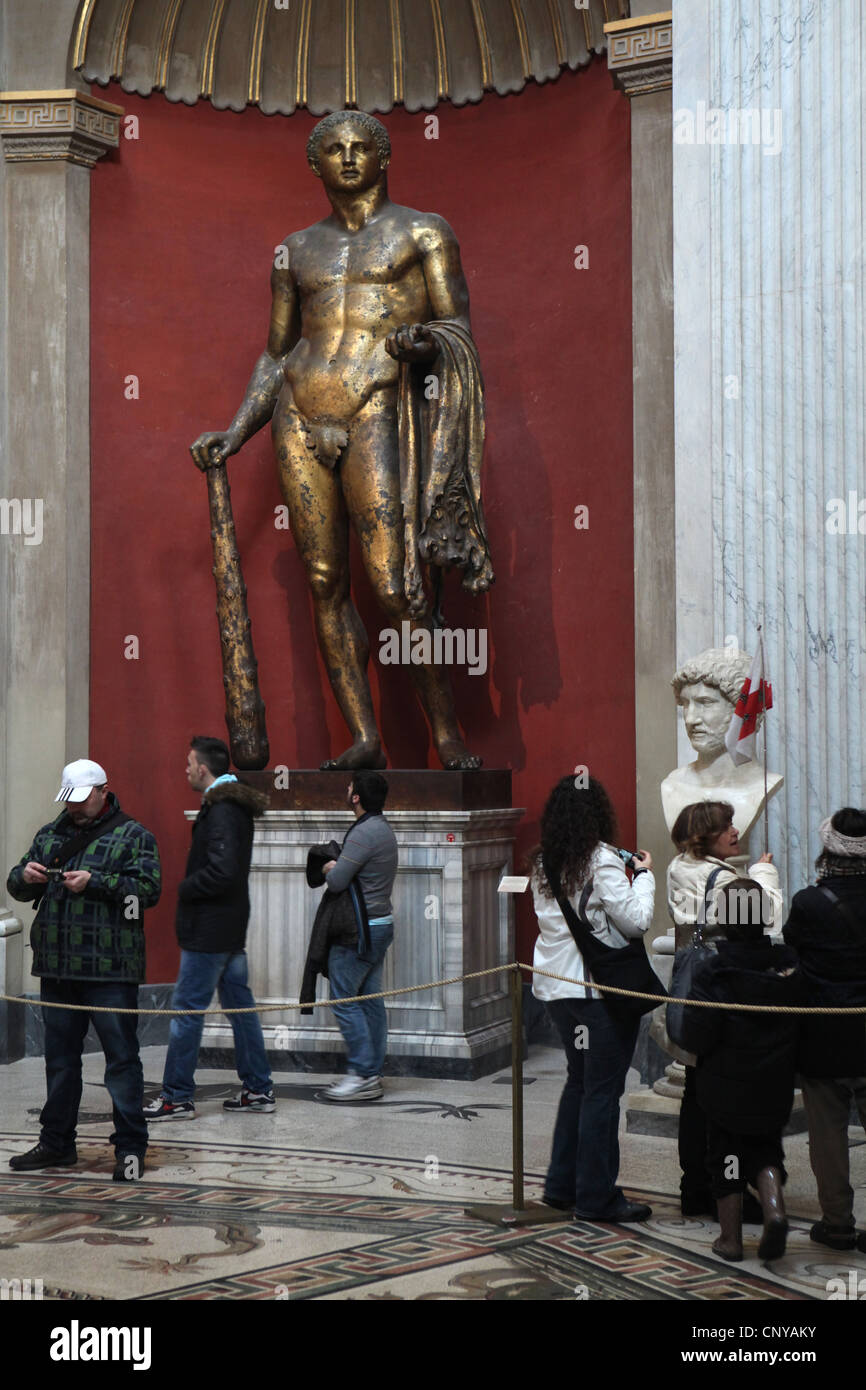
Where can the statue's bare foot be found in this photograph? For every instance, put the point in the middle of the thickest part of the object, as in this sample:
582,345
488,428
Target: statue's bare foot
363,753
455,756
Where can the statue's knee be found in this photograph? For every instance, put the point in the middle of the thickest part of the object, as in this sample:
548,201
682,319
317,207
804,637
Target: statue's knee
324,580
393,601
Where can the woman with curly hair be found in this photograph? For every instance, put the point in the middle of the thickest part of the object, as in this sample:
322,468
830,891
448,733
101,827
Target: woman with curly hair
578,831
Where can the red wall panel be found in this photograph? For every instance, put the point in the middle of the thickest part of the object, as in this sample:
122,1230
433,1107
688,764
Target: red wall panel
184,222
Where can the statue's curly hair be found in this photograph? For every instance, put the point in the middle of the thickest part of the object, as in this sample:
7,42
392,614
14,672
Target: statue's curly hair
721,667
368,123
574,821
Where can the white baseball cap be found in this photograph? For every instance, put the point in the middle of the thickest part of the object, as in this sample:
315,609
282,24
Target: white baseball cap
79,778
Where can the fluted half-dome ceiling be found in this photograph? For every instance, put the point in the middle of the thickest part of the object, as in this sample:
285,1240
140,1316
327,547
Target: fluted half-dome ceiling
329,54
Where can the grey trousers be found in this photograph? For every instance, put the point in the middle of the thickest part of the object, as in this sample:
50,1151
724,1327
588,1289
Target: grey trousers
827,1101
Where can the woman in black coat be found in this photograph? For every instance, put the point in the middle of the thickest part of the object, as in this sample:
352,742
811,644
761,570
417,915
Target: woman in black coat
827,929
746,1064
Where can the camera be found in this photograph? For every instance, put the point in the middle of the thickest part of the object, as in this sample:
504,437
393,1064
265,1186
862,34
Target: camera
629,857
55,875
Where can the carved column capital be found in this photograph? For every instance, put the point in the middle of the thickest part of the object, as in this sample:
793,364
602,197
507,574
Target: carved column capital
65,125
640,53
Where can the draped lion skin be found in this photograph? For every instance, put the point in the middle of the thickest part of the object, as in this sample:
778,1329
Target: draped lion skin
364,304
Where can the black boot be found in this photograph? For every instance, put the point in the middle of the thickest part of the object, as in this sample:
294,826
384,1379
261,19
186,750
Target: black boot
730,1242
772,1246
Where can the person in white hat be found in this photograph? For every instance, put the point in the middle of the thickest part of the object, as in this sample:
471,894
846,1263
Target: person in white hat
90,874
827,929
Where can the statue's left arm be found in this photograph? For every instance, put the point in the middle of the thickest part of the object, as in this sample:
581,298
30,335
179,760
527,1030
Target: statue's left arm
446,289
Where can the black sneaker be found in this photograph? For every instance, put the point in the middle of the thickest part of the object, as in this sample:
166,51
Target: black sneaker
128,1168
162,1109
261,1101
834,1237
42,1157
625,1211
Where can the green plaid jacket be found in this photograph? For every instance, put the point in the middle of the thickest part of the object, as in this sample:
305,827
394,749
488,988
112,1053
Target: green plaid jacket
97,934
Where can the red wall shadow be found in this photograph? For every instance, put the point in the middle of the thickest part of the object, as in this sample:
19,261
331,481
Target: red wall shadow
184,222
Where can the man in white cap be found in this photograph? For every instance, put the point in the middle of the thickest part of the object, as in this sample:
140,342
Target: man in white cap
90,874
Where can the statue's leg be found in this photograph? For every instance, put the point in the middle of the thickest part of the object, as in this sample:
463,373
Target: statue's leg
371,487
319,522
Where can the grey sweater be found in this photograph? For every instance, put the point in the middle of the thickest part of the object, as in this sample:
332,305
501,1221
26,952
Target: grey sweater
370,852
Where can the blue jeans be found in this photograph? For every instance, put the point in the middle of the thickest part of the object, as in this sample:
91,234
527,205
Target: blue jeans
584,1162
65,1030
364,1025
202,972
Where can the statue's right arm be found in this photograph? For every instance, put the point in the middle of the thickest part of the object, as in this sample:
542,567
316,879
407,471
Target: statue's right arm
265,384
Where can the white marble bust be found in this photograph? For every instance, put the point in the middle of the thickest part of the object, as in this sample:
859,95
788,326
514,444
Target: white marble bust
706,689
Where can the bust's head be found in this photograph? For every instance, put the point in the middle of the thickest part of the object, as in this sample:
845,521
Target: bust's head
349,150
706,689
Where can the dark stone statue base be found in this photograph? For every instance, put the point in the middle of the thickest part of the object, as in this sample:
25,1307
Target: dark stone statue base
408,789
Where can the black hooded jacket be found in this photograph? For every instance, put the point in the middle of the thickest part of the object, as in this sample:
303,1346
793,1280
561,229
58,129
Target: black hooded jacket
746,1061
213,906
831,946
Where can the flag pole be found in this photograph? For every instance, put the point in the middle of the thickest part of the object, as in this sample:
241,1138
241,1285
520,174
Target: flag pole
764,732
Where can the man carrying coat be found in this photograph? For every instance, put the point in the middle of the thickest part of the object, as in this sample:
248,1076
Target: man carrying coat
212,915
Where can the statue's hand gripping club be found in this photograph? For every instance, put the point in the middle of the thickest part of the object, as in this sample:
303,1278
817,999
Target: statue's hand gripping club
212,449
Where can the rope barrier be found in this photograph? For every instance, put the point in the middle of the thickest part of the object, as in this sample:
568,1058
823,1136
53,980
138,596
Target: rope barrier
259,1008
287,1005
698,1003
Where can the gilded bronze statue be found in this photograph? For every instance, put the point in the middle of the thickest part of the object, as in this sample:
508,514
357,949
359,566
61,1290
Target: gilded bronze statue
371,380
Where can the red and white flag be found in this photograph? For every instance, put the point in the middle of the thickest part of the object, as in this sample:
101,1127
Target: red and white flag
756,697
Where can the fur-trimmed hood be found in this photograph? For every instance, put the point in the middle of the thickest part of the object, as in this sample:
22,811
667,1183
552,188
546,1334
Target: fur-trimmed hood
253,801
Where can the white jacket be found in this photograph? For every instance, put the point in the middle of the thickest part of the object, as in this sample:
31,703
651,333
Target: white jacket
617,910
687,883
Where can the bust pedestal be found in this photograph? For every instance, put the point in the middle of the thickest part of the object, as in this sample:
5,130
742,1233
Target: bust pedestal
455,832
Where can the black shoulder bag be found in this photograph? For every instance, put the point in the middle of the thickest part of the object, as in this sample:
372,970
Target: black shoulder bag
686,963
625,967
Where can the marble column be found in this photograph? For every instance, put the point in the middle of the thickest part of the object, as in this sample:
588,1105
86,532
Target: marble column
770,378
52,133
639,58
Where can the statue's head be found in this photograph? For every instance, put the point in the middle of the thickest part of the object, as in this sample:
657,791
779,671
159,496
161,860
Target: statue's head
707,689
349,150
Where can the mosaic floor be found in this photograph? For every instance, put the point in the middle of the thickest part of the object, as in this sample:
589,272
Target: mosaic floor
363,1202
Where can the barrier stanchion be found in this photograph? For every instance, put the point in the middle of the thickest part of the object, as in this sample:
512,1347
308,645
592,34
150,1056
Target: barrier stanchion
518,1213
516,991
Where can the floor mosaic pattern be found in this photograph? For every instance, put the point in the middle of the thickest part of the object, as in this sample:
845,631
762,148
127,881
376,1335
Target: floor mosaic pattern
217,1220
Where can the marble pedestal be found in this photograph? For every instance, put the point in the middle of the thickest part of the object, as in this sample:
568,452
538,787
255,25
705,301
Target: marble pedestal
449,920
11,1015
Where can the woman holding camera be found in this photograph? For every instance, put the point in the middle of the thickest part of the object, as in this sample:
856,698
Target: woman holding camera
578,831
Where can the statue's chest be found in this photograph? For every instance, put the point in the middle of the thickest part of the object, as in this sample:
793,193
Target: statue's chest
362,259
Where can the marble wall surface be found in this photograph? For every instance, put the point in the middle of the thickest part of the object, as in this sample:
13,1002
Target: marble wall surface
768,129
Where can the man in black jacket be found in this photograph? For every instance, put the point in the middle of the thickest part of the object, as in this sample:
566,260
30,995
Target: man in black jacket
827,929
212,915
